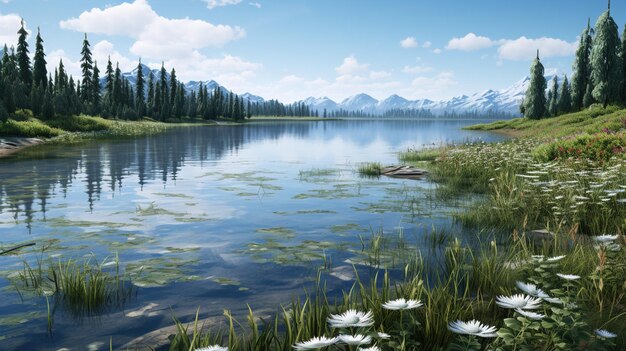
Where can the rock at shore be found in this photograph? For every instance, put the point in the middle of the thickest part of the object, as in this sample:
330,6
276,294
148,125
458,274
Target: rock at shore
9,145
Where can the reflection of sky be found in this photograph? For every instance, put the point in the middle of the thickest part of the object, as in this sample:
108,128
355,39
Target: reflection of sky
216,208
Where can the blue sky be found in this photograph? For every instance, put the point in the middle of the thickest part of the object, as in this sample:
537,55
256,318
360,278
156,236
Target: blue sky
292,49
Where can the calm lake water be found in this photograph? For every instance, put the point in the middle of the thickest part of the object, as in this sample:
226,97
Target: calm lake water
211,217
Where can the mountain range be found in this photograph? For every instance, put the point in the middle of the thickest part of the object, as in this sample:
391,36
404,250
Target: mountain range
504,101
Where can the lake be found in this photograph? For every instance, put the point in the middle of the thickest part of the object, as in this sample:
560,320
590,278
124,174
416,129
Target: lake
215,217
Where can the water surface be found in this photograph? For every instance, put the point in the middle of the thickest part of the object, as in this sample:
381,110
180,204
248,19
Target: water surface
216,217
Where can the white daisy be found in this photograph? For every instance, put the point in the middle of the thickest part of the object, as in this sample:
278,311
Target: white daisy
553,300
518,301
555,258
472,327
351,318
213,348
529,314
315,343
383,335
373,348
568,276
605,238
355,339
605,333
530,289
402,304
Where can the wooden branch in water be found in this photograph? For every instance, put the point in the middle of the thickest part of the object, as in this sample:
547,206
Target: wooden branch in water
17,247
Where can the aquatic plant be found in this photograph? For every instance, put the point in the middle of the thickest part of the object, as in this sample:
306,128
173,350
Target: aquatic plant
370,169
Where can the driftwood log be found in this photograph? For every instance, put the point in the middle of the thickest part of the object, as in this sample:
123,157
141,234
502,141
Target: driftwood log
403,171
14,248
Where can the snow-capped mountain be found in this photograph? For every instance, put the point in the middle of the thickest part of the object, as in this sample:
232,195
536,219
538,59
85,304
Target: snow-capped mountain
252,98
393,102
321,104
505,100
359,102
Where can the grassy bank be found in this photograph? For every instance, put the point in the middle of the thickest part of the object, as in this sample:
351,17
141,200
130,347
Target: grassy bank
73,129
590,121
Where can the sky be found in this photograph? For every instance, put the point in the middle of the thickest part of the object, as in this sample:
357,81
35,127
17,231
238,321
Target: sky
292,49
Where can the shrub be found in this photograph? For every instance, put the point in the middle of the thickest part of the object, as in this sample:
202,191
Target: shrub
599,146
29,129
80,123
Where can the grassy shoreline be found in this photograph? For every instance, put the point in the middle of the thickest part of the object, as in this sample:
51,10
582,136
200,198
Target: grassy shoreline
578,199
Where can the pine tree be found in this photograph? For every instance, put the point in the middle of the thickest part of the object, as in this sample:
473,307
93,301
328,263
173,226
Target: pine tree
117,86
36,99
86,65
23,59
40,73
150,102
173,87
565,97
553,97
582,71
606,61
47,109
164,98
535,99
109,80
95,97
140,102
235,103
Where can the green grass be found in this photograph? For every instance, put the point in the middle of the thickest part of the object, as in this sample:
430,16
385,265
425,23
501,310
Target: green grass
464,288
29,129
80,128
415,155
370,169
84,288
590,121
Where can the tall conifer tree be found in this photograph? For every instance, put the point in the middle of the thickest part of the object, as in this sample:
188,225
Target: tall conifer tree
140,102
606,61
23,58
565,97
40,73
95,98
535,100
86,65
581,77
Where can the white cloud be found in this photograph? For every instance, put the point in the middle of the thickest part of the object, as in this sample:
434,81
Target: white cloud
128,19
71,67
416,69
105,49
211,4
291,79
230,71
437,51
351,66
427,44
441,80
408,43
256,4
469,42
9,25
167,38
526,49
376,75
156,37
